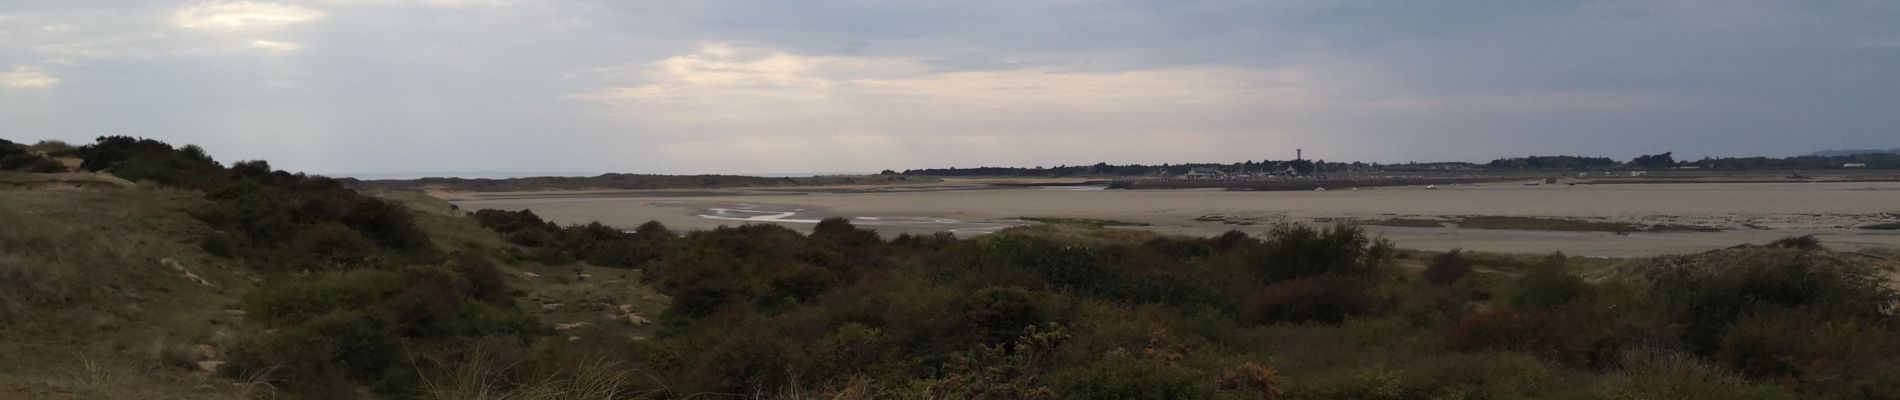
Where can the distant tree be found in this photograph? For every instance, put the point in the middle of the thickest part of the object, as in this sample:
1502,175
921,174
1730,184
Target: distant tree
840,231
1303,167
888,172
1664,160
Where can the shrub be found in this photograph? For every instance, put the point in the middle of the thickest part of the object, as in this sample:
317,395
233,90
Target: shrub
1807,242
839,231
1111,378
999,314
1447,268
52,147
359,326
270,216
164,354
1297,251
1182,249
17,157
1326,299
853,349
1000,371
146,159
1061,266
1549,285
1707,301
482,279
1572,335
1264,382
1653,373
217,245
1229,241
1812,354
331,245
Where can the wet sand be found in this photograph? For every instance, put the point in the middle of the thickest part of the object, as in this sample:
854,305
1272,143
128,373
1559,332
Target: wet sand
1746,212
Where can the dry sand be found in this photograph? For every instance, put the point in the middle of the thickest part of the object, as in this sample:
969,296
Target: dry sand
1747,212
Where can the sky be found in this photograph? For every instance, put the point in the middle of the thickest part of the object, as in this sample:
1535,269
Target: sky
828,86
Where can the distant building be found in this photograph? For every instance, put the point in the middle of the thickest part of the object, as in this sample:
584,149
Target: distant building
1854,165
1203,173
1639,173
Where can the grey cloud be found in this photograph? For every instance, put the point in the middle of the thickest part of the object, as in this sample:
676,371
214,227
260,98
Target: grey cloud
442,85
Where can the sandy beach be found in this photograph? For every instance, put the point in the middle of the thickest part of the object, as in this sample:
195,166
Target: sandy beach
1743,212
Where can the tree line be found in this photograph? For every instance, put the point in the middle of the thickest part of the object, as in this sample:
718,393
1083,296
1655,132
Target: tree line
1664,160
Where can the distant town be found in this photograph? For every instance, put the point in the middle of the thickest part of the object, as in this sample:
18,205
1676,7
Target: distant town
1300,166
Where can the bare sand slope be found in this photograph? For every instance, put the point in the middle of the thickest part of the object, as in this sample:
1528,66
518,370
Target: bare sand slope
1751,212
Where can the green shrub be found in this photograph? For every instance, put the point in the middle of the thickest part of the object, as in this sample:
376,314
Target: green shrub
1549,285
1119,379
1061,266
1707,301
999,314
840,232
1298,251
144,159
331,245
363,326
270,216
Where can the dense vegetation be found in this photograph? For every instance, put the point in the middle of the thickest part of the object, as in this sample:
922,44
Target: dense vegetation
1553,162
1069,312
19,157
1556,163
355,295
357,301
1872,161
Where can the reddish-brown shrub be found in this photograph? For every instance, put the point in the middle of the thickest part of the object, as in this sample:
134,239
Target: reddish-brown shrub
1447,268
1328,299
1571,335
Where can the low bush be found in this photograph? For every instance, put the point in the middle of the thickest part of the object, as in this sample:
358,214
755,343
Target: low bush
1571,335
1324,299
1299,251
20,158
1447,268
1707,300
351,326
1123,379
1549,285
999,314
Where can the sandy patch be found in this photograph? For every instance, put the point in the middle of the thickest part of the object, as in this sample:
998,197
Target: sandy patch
1747,212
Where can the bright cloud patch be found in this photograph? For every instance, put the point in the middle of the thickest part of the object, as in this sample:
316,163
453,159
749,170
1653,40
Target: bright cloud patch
242,15
274,45
728,101
437,3
719,78
27,78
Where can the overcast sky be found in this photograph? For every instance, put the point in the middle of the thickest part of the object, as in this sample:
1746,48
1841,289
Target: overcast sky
711,86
